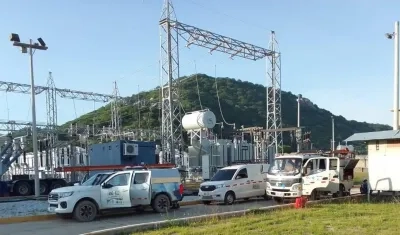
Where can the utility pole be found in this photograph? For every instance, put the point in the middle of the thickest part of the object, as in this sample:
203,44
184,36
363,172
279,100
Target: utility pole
333,134
298,137
24,47
138,100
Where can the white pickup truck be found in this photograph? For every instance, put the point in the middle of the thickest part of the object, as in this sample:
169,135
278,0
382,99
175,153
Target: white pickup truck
159,188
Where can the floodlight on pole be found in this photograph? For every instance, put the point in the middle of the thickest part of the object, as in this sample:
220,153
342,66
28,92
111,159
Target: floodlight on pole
32,47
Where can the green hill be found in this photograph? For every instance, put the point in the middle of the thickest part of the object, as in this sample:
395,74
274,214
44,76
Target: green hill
242,103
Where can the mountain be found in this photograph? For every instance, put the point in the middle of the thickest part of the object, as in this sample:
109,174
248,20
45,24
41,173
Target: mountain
242,103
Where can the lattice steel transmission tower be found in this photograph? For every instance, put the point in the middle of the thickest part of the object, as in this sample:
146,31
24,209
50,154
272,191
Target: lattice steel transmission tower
171,128
274,115
115,117
51,103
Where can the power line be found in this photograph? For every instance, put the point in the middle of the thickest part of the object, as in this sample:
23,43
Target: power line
197,84
230,16
219,103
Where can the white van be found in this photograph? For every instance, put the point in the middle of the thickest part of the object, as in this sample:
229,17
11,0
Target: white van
235,182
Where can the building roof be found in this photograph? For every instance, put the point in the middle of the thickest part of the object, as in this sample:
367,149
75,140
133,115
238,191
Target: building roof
376,135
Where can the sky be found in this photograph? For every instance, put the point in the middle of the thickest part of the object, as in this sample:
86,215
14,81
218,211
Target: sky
333,52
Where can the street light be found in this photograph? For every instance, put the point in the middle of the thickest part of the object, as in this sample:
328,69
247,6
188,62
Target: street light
32,47
395,37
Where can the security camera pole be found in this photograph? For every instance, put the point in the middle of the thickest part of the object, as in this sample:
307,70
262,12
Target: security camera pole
32,48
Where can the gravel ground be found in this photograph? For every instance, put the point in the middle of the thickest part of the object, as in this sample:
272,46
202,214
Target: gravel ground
33,207
23,208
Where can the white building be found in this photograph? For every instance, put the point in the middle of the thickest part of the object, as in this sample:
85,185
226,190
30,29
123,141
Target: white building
383,158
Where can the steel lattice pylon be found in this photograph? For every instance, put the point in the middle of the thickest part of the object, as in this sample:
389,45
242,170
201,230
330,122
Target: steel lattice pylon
115,117
171,128
51,103
274,115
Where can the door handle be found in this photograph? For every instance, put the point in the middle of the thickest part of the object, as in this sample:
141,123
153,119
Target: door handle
125,190
325,178
335,176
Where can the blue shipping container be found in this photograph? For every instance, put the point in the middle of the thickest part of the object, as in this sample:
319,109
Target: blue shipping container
112,153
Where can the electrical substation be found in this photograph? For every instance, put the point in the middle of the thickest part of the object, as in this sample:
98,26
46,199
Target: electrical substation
65,155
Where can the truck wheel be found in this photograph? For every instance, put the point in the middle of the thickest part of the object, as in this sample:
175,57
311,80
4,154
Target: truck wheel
313,196
23,188
85,211
43,188
229,198
161,203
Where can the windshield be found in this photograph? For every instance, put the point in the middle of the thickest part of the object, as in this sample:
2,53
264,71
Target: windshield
285,166
223,175
96,179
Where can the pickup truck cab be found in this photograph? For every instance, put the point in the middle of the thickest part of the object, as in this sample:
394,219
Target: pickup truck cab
159,188
235,182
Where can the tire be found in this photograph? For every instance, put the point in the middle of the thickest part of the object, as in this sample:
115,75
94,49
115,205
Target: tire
313,196
161,203
23,188
206,202
44,188
85,211
229,198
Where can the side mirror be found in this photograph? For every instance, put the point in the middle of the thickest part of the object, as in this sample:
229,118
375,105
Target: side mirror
105,185
238,177
77,184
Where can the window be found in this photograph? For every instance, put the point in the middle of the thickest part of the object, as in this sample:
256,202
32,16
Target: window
141,178
332,164
377,144
316,166
119,180
242,173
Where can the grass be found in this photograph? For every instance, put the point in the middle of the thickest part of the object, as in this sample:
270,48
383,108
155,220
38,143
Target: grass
346,218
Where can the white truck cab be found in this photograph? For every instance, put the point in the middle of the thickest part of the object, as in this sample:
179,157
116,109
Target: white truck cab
235,182
312,175
159,188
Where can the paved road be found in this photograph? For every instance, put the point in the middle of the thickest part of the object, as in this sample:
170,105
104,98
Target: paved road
70,227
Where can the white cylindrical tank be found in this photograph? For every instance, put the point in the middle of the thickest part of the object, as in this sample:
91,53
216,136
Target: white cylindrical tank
198,120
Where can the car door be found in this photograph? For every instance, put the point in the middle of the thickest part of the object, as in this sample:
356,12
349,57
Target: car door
140,190
316,174
243,182
334,174
115,191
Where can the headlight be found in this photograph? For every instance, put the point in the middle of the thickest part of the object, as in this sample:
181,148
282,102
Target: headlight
296,187
219,186
268,185
66,194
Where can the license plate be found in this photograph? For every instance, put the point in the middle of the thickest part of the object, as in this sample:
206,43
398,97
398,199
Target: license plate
207,198
206,194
